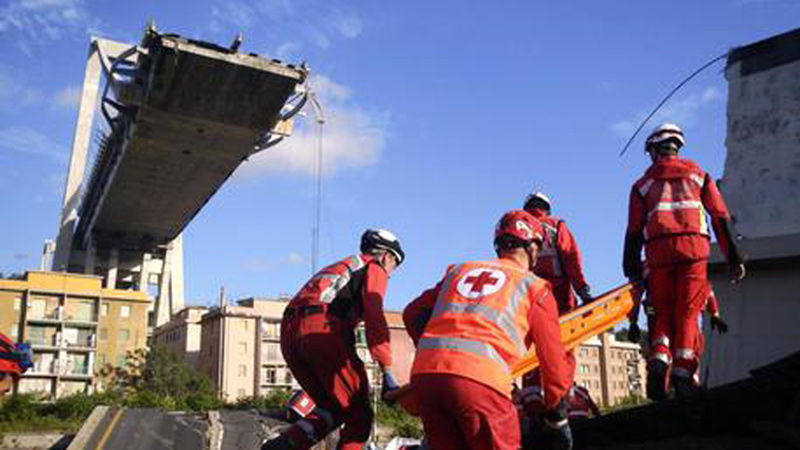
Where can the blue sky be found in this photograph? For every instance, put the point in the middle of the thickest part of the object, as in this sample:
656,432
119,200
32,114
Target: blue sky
442,116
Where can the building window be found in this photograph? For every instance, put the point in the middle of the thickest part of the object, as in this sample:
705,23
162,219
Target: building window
124,311
17,303
15,330
287,379
270,376
104,309
243,348
271,352
123,335
242,370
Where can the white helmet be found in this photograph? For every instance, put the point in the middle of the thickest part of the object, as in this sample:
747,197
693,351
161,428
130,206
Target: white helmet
537,196
664,132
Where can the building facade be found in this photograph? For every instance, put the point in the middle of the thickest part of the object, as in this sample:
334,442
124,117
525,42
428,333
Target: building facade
74,325
181,334
611,370
240,348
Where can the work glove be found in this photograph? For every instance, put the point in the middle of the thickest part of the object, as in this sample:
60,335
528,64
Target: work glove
561,434
634,333
585,294
718,324
737,273
388,385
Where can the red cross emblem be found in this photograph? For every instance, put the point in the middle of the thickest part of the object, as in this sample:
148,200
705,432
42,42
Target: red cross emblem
481,281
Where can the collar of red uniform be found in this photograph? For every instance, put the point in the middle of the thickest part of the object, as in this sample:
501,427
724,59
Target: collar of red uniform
671,167
538,213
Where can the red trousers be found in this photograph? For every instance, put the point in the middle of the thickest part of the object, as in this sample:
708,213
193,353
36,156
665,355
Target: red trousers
320,351
459,413
678,293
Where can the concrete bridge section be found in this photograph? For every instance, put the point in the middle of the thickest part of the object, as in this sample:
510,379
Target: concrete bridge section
180,116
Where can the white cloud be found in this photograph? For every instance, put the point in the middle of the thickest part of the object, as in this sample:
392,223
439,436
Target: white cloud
13,94
316,24
238,14
287,50
67,98
29,141
352,137
682,112
347,24
293,259
35,22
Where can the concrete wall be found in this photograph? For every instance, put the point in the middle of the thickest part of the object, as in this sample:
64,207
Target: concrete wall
762,313
761,183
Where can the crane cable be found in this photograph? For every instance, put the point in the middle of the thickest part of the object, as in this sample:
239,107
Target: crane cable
320,120
671,93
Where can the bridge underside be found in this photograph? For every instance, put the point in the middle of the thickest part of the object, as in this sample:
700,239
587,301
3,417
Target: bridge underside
190,113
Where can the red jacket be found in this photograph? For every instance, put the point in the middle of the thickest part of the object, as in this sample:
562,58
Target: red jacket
559,260
353,290
481,319
666,214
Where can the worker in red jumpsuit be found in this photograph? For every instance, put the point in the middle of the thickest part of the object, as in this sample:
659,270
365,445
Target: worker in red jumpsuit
667,216
15,359
558,262
581,406
471,328
318,343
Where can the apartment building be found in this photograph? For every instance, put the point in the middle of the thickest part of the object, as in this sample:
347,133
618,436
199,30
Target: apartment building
181,334
240,348
74,325
611,370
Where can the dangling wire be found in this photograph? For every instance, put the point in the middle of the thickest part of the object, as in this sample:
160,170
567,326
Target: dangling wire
671,93
320,120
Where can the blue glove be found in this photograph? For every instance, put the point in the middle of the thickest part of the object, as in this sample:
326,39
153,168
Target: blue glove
388,384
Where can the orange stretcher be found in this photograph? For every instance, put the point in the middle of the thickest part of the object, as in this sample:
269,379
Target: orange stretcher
577,326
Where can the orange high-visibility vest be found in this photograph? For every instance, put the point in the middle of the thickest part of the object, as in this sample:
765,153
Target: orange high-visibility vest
673,204
479,326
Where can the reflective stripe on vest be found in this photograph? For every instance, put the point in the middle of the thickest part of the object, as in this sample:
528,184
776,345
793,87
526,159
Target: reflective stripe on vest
463,345
673,206
353,264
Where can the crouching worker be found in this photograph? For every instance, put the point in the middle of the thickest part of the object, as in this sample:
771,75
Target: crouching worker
15,359
318,343
471,328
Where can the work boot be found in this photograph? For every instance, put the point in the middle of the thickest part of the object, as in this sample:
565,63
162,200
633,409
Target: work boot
683,386
279,443
657,380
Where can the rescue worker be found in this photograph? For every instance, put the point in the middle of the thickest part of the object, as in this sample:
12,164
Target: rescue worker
471,328
666,216
581,405
558,262
15,359
318,343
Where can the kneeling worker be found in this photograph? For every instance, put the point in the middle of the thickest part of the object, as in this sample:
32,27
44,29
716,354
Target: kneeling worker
471,328
318,343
